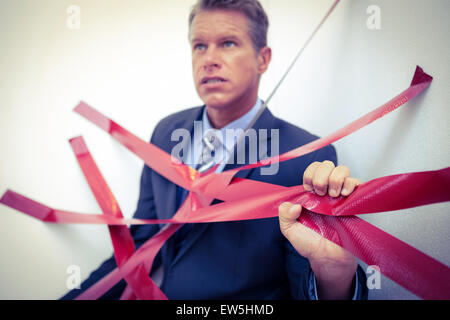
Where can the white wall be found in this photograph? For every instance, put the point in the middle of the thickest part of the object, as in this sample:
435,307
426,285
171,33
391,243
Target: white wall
131,61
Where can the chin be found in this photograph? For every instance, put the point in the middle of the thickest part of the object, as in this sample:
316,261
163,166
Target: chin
216,103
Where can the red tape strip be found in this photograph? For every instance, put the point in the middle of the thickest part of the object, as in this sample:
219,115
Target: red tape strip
253,200
390,193
140,282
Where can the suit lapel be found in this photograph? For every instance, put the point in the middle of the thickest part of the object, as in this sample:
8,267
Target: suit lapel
264,122
165,192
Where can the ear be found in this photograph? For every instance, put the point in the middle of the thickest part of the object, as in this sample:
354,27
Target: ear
264,57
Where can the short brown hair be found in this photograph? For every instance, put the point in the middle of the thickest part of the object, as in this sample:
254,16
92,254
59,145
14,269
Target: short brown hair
257,18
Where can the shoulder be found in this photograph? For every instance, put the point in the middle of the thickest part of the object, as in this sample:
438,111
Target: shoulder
292,136
180,116
181,119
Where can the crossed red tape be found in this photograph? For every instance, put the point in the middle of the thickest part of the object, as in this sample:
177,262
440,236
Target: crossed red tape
244,199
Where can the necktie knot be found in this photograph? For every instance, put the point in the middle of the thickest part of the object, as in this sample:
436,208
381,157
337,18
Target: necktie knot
211,149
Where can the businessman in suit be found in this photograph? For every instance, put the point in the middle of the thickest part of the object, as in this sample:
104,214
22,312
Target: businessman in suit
276,258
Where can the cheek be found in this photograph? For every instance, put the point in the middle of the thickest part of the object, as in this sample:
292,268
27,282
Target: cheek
245,67
196,63
246,77
195,72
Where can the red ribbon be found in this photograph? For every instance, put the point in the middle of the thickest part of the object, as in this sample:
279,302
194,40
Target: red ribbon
142,285
259,200
248,199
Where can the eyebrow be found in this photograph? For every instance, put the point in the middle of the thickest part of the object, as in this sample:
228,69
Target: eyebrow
222,38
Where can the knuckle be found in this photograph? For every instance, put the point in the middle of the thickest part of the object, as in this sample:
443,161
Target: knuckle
312,166
342,167
284,207
307,175
307,180
343,170
328,163
320,184
335,181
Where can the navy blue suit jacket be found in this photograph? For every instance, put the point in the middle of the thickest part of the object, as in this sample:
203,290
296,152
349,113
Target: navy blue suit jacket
226,260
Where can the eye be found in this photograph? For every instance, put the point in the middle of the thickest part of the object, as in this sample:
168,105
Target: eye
229,44
199,46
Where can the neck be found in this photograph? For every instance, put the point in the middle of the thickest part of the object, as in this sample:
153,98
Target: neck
220,117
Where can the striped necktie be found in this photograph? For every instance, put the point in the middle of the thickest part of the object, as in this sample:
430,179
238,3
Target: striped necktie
212,148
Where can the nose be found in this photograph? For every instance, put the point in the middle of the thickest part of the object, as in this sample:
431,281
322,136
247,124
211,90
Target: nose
212,58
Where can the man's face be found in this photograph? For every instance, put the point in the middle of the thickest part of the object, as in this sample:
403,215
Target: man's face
225,66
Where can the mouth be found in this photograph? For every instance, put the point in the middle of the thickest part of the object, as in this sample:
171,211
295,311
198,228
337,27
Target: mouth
212,80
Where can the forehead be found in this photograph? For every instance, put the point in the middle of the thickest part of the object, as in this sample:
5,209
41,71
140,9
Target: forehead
213,24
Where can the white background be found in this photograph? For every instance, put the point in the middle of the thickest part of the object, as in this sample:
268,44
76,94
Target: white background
131,61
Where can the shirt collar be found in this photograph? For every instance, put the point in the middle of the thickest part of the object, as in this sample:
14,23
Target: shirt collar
240,123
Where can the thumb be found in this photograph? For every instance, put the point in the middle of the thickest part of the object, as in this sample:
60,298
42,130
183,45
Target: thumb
288,214
303,239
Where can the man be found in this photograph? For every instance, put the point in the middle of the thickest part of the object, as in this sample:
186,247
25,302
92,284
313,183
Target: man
259,259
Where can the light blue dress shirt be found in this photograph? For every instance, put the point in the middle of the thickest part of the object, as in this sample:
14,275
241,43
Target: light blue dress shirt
194,151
